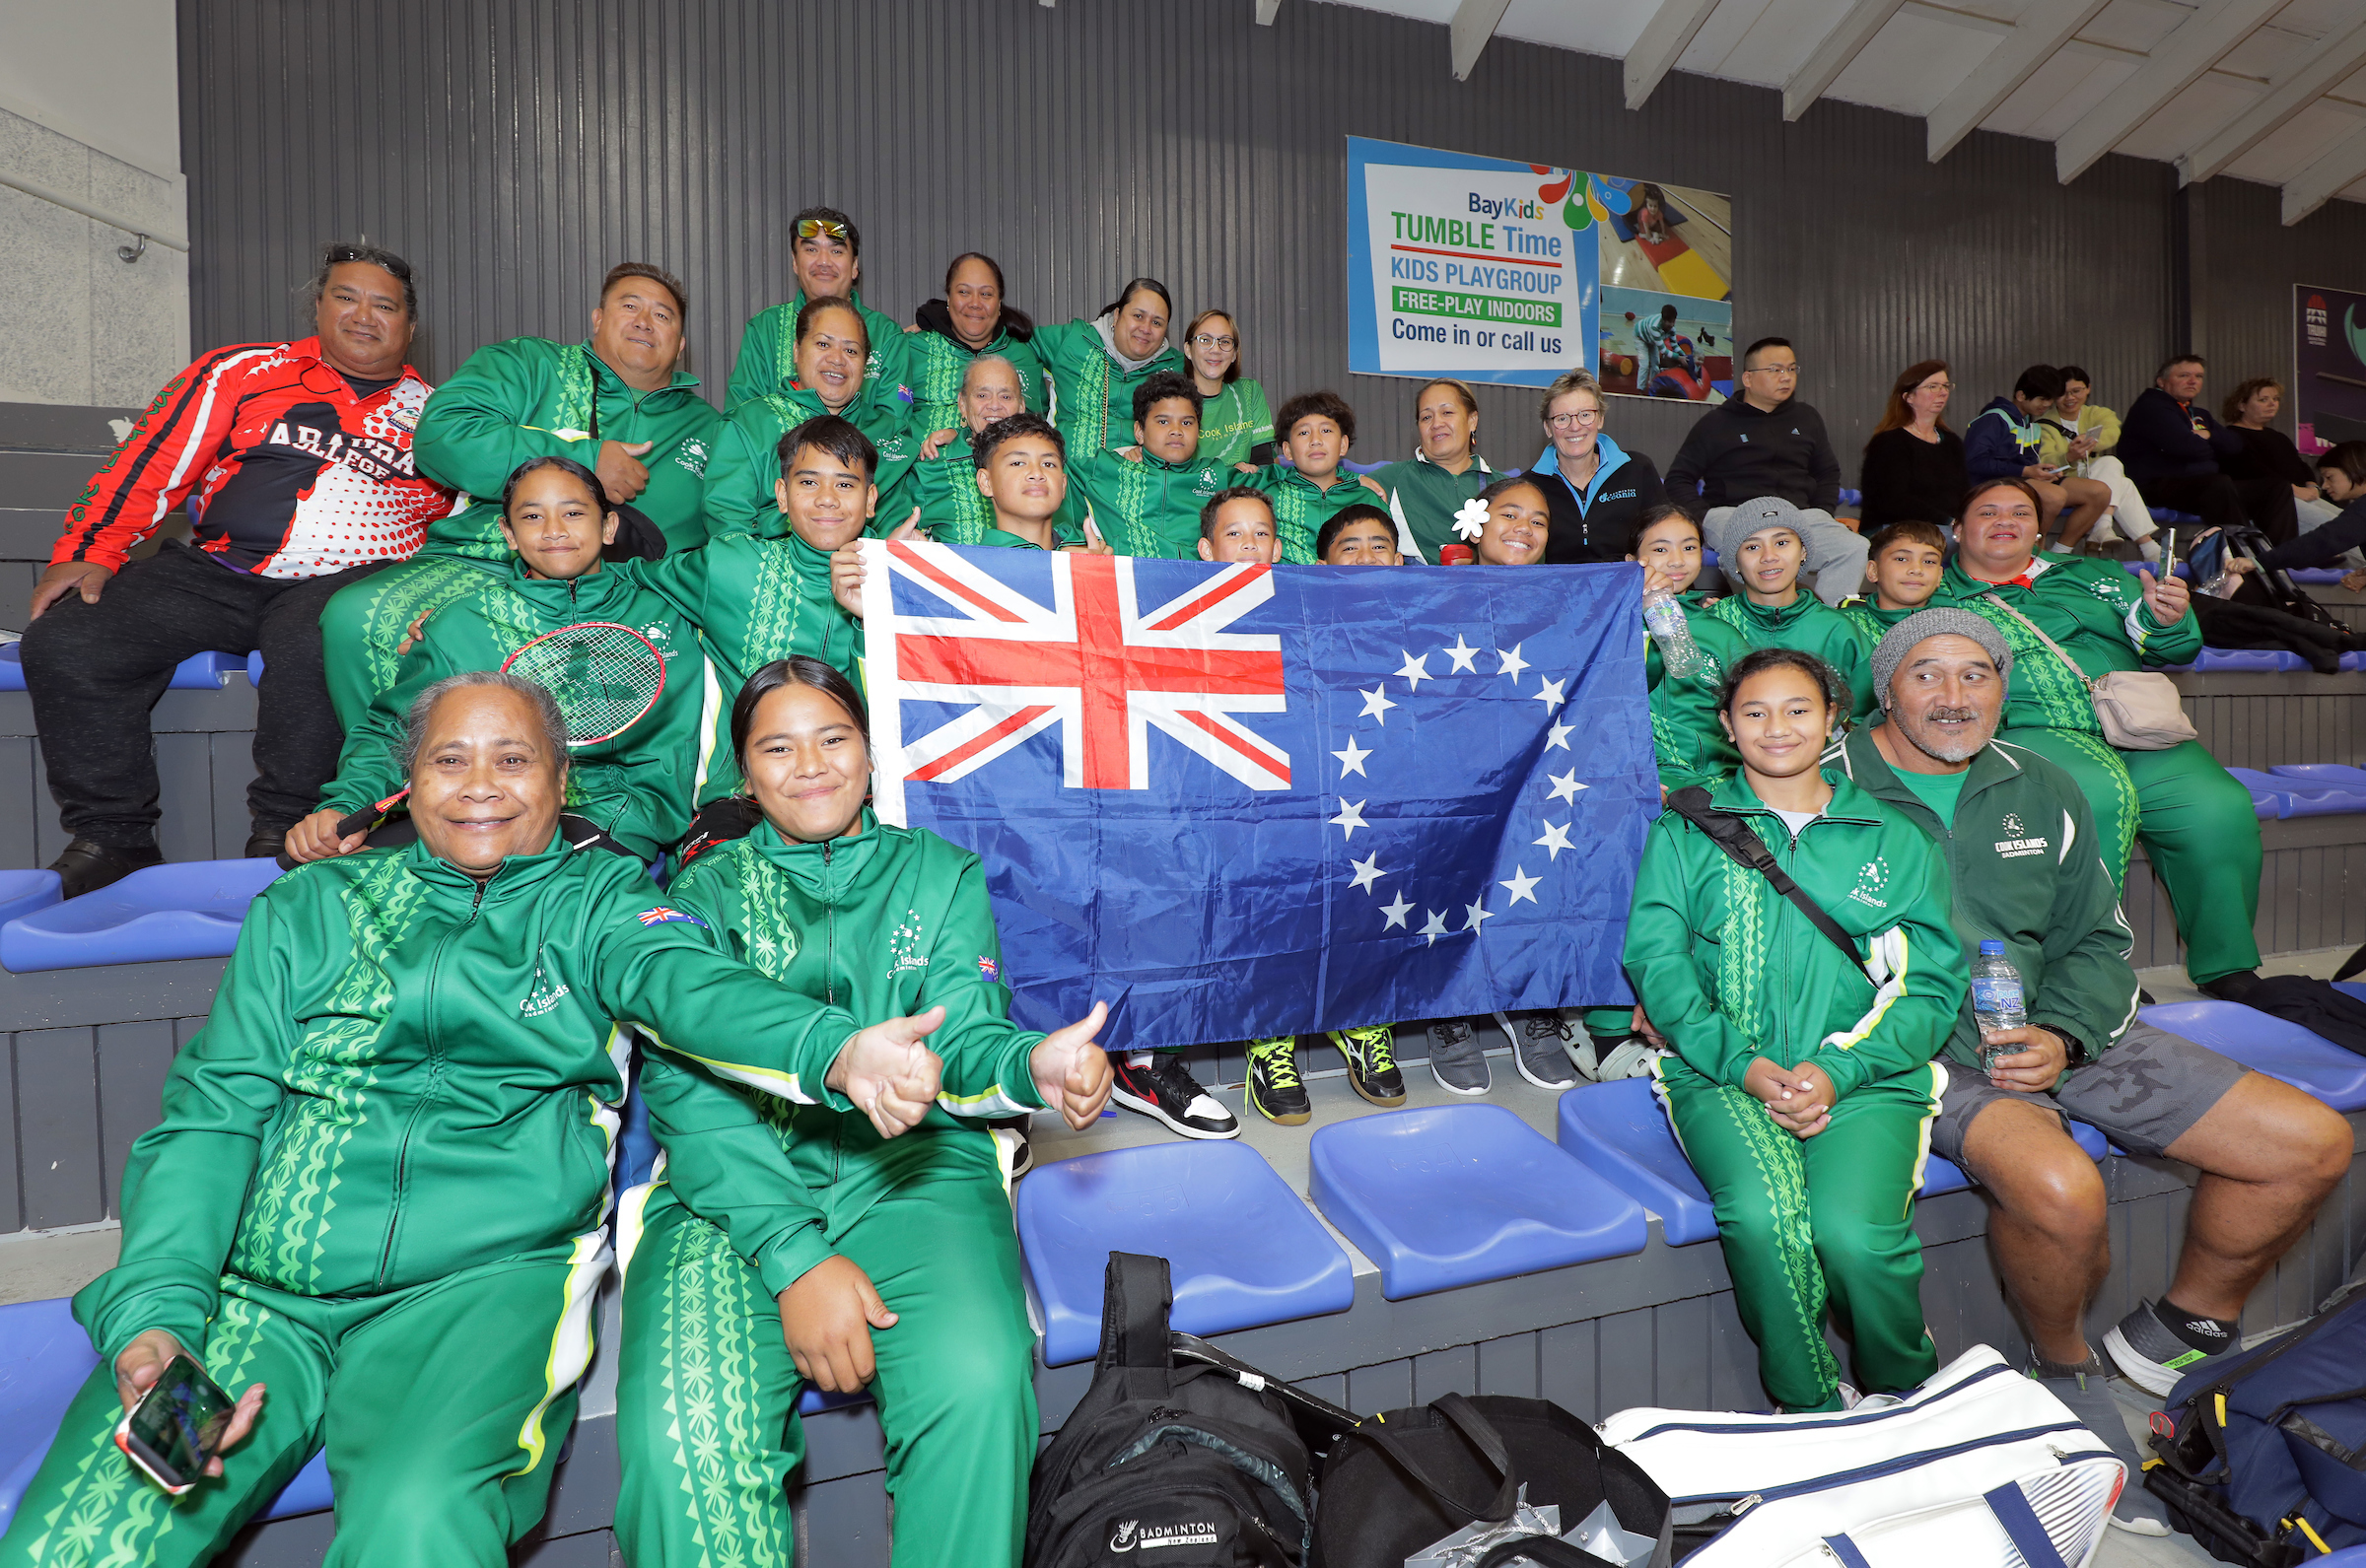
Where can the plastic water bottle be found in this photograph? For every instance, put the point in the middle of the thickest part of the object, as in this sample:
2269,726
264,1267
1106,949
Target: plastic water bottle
1997,1002
1665,620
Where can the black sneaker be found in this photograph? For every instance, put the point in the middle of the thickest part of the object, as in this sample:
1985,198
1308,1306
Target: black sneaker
1274,1087
1540,1046
2149,1356
1456,1061
1371,1054
86,867
1165,1091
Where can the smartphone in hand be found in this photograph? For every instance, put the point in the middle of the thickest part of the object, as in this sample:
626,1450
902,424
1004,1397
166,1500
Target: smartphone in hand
176,1428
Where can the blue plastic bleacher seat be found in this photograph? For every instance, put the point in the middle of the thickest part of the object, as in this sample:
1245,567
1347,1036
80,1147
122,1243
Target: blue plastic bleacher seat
1242,1248
2320,773
190,909
202,672
2316,573
2354,661
2270,1045
1619,1131
44,1356
254,668
22,892
1852,498
2181,519
1458,1194
2267,800
2303,796
2247,659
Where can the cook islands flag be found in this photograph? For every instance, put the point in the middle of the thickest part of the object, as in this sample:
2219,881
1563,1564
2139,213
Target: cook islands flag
1237,801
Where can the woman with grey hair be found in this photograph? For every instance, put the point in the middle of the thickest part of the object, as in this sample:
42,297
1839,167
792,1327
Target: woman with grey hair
1599,493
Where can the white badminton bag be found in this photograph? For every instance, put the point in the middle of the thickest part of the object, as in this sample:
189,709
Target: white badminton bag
1979,1468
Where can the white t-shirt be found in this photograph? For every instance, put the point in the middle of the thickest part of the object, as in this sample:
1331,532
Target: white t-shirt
1796,820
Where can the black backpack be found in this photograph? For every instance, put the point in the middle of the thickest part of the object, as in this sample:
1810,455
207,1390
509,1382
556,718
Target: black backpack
1178,1455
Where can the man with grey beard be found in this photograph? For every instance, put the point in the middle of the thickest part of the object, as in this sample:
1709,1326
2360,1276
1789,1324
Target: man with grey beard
2022,849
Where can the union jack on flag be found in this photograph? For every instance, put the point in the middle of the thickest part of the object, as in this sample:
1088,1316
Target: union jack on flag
662,915
1237,801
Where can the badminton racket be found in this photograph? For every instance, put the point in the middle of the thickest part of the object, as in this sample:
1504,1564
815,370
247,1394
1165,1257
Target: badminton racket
605,677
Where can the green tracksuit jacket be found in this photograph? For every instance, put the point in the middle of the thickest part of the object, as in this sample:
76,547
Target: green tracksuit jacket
746,465
951,511
2095,610
636,786
1686,739
1094,392
530,397
1234,423
2027,870
1143,505
330,1131
1424,497
753,600
767,360
938,362
1811,626
1730,971
1301,507
1872,623
889,923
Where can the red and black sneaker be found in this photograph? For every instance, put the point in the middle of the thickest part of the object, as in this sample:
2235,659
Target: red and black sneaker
1164,1090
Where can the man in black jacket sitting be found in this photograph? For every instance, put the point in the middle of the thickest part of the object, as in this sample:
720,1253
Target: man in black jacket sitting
2171,448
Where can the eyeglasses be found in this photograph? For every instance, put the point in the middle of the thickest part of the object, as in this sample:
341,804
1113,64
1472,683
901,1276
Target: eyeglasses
1774,370
1204,341
1577,421
820,229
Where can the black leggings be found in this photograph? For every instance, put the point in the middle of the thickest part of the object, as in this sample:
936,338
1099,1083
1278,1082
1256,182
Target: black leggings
95,671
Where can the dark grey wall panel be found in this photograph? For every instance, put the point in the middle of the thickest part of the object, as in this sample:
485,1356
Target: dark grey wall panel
513,152
2249,720
2246,263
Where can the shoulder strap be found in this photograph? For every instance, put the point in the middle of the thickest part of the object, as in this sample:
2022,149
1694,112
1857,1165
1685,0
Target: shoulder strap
2040,635
1741,842
1136,1295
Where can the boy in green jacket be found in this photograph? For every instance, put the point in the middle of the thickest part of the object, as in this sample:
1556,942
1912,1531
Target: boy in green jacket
825,256
779,1242
1800,1080
1906,562
323,1212
1314,429
2028,874
1148,500
635,787
1760,548
1021,475
617,403
829,345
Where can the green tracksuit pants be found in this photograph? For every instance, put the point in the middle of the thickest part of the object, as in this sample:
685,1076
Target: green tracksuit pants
443,1408
362,627
1804,1221
2198,830
706,1397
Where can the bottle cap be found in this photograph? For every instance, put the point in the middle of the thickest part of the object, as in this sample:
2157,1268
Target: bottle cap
1990,949
1456,554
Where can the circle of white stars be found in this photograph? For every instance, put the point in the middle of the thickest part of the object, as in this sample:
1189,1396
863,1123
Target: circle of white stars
1366,874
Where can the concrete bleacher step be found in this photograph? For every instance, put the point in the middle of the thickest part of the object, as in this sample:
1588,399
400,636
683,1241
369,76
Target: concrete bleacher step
1462,1194
190,909
1244,1250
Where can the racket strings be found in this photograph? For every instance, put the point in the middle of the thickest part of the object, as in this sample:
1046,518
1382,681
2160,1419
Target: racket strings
604,677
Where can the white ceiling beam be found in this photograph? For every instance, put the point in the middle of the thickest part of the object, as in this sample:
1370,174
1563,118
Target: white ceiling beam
1267,10
1475,21
2030,45
1661,43
2325,179
2175,63
1833,52
2325,63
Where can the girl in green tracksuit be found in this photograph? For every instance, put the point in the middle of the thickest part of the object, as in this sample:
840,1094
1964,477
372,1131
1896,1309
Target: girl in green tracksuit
527,398
1760,550
2196,820
970,322
1800,1083
778,1249
829,347
635,787
1095,364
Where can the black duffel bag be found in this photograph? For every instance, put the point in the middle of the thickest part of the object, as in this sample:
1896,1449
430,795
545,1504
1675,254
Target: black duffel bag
1400,1484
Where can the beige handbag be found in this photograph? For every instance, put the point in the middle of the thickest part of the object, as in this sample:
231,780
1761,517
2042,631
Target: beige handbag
2138,709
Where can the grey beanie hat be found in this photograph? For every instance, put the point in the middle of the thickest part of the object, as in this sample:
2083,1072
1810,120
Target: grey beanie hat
1725,535
1900,640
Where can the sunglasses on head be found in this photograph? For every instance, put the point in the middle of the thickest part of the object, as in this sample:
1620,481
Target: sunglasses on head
820,229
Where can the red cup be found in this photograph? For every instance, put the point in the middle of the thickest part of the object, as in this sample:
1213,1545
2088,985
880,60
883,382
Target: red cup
1456,554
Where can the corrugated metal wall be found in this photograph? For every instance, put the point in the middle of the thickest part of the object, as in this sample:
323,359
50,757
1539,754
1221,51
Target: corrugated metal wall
514,151
2248,262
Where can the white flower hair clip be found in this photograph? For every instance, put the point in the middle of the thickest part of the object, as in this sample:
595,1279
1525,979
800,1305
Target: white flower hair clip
1470,520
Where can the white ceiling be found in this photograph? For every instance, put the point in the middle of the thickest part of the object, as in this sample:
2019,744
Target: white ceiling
2281,85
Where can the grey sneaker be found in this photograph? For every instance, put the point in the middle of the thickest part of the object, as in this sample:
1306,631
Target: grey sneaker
1455,1059
2086,1390
2148,1355
1540,1046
